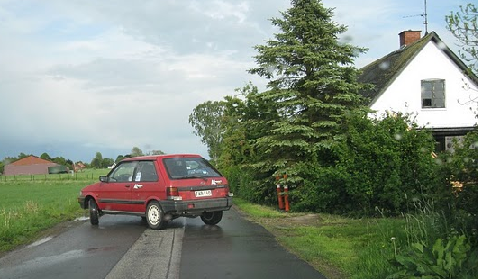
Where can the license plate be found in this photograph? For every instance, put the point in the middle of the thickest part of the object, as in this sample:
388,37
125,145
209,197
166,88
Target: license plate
205,193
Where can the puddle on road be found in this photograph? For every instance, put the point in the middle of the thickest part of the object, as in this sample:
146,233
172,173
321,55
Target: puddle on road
84,218
39,242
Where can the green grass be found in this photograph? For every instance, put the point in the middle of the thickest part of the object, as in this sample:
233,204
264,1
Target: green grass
337,246
29,206
87,174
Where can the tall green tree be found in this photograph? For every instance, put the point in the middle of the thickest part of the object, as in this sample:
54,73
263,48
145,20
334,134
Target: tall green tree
45,156
207,122
463,25
312,85
97,161
136,152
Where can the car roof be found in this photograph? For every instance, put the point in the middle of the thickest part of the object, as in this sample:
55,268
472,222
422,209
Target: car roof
158,157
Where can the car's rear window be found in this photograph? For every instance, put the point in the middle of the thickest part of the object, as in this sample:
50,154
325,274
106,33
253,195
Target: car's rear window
179,168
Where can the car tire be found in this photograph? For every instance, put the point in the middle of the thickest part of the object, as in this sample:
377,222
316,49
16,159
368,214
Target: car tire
94,213
155,216
211,218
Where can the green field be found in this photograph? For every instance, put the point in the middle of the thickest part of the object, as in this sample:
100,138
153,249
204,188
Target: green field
31,204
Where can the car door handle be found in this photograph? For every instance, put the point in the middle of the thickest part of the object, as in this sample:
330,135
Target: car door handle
127,185
137,186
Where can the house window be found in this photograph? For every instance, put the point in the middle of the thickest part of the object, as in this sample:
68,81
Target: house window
433,93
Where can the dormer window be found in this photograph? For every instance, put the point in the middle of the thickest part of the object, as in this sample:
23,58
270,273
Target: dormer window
433,93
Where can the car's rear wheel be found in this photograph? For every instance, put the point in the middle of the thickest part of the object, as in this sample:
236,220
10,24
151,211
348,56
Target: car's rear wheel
94,213
212,218
155,216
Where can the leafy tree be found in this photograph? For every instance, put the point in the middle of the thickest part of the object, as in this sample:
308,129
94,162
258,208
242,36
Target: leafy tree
207,122
62,161
157,152
119,158
23,155
106,162
136,152
97,161
312,85
463,25
45,156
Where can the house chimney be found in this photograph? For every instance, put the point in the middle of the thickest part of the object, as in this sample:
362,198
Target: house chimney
409,37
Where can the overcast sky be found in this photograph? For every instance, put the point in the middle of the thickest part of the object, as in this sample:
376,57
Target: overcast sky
77,77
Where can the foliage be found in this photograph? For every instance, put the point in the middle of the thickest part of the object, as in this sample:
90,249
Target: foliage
156,152
136,152
463,25
450,258
461,191
312,85
99,162
45,156
207,121
381,164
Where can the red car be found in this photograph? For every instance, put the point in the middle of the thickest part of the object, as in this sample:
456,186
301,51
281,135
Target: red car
159,188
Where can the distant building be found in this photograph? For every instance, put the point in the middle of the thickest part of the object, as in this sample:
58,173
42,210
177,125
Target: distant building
30,165
426,79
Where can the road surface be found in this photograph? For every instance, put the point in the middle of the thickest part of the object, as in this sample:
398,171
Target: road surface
123,247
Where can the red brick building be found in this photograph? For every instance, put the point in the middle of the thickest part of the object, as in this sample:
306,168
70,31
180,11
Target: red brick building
29,165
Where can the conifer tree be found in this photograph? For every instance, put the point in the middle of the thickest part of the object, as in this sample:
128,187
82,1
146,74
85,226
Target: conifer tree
312,85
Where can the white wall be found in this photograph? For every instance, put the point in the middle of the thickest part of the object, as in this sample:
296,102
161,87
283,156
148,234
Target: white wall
404,94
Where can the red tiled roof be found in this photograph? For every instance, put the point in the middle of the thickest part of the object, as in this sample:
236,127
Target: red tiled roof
32,160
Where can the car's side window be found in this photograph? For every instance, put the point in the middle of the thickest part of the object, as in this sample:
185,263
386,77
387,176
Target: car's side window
123,172
146,172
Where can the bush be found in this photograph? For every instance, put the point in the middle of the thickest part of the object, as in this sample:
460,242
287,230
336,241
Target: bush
383,165
459,195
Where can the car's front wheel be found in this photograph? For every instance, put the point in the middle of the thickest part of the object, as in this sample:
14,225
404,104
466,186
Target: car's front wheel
211,218
155,216
94,213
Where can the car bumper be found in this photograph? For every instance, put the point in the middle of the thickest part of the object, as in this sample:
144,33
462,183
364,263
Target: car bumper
196,207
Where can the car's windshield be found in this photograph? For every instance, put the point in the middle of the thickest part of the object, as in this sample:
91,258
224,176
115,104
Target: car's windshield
189,167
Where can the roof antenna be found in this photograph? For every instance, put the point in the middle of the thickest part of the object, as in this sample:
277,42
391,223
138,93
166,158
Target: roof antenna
425,16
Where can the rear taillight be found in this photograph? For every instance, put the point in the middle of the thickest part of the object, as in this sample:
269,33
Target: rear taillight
173,194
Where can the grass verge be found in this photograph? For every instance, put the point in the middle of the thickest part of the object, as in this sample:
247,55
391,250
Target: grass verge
336,246
31,206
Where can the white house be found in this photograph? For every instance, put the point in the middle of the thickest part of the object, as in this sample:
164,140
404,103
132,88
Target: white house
426,79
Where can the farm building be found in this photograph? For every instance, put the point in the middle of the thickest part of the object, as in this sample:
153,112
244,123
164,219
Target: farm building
33,165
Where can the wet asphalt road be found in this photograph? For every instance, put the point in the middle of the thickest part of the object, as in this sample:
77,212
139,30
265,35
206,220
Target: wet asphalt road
82,251
122,247
237,248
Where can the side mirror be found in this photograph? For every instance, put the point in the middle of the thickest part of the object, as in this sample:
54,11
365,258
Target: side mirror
104,179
